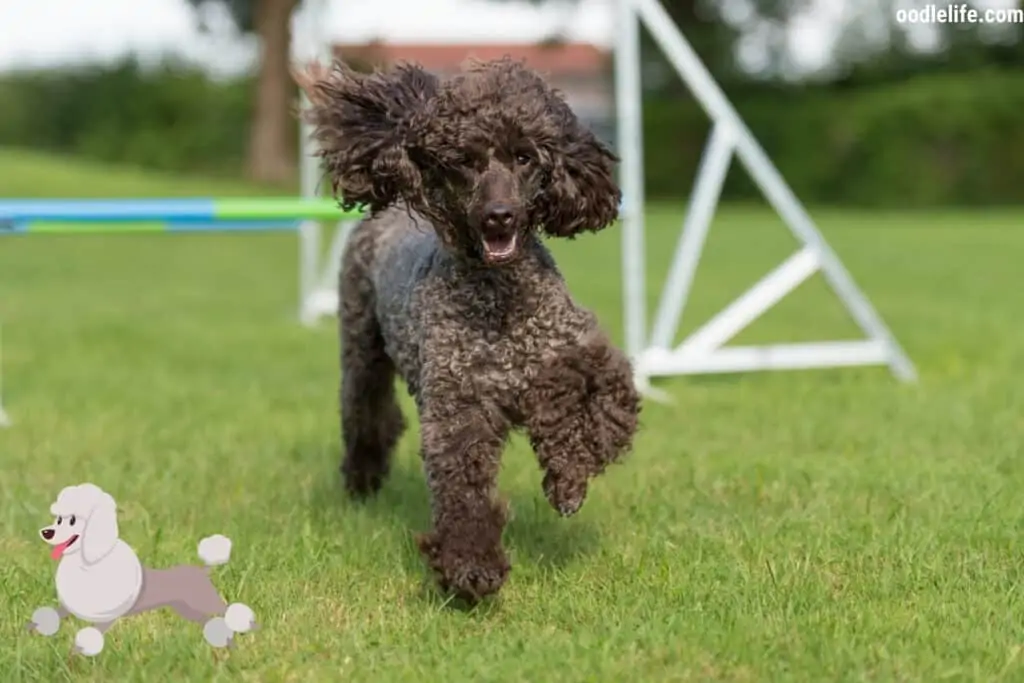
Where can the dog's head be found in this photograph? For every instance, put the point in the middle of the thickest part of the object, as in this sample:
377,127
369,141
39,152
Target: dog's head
86,523
488,156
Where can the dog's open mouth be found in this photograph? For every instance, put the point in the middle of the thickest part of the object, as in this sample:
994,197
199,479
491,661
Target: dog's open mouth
500,248
58,550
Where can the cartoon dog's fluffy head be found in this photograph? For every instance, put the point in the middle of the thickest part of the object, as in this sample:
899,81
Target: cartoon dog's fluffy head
86,523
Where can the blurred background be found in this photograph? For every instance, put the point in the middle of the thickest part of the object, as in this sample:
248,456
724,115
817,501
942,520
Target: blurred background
854,107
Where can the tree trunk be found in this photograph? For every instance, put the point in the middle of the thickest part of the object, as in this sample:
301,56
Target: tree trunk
272,143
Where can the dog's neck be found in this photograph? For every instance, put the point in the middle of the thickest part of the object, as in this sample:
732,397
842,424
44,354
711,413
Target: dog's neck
76,562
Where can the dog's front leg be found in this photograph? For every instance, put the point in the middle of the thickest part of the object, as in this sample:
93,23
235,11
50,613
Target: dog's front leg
581,413
46,620
462,443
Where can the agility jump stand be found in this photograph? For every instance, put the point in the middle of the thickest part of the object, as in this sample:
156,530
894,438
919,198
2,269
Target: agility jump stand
317,282
704,351
317,279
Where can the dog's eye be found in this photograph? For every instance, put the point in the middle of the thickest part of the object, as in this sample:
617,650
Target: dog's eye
523,159
59,520
72,520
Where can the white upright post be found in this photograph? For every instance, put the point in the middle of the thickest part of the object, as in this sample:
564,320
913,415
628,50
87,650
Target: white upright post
309,176
629,146
318,278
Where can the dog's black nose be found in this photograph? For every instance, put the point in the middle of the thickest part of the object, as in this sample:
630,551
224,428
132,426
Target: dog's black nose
499,215
46,534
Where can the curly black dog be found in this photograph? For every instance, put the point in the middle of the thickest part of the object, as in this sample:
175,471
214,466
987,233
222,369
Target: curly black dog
447,284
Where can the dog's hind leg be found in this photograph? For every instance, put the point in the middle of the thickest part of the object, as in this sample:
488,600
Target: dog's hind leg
371,420
201,601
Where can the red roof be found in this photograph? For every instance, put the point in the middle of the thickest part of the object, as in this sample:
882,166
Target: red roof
556,58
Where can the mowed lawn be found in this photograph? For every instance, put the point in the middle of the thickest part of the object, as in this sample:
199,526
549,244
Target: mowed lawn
809,526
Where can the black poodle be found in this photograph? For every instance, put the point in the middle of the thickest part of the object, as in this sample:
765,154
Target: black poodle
447,284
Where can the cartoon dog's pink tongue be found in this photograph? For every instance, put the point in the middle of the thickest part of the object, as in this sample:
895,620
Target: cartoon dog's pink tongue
58,550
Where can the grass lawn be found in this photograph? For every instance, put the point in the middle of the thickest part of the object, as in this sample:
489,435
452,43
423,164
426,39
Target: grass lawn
812,526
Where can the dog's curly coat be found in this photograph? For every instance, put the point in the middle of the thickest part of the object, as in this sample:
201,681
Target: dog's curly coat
448,284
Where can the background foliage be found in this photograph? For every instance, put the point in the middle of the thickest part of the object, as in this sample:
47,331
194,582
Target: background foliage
937,137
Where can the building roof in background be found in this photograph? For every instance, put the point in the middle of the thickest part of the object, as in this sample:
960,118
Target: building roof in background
551,58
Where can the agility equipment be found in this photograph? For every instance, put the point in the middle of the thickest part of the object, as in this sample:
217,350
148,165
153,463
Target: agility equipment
316,280
704,351
91,216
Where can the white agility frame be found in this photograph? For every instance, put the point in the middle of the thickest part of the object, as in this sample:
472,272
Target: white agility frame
318,274
704,351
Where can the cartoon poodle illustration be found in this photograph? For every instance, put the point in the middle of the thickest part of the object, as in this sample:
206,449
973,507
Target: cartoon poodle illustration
100,579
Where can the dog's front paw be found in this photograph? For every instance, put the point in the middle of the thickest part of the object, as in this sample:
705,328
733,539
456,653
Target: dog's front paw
240,618
45,621
566,493
89,641
470,577
217,632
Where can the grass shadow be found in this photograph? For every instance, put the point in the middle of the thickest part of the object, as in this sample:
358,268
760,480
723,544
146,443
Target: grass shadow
535,535
538,535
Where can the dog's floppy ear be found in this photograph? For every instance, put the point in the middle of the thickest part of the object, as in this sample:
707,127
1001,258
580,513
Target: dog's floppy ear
369,127
581,194
101,532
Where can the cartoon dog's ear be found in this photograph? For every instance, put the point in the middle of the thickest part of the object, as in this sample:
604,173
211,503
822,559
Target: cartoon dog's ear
101,532
369,128
582,194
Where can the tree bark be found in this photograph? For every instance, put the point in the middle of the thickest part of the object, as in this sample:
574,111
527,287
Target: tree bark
272,142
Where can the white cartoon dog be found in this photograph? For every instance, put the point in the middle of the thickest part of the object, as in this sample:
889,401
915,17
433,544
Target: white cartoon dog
100,579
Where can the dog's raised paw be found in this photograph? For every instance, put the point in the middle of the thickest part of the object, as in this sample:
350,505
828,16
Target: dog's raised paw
565,494
45,621
89,641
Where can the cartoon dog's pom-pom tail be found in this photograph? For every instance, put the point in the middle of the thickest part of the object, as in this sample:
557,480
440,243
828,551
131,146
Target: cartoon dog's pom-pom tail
215,550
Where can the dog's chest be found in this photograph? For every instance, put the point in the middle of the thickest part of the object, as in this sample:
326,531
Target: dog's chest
101,592
499,344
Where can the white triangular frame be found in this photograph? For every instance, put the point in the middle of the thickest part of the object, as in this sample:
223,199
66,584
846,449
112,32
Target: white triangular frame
704,351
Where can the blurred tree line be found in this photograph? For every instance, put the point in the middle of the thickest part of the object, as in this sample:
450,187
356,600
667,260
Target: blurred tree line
884,123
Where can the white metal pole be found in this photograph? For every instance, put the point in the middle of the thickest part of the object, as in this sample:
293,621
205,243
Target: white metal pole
767,177
309,177
629,145
747,308
713,168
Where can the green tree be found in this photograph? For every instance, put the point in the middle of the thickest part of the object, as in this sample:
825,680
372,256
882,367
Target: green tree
272,137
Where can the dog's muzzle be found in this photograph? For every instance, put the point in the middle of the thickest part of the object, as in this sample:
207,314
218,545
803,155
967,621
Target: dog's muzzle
500,236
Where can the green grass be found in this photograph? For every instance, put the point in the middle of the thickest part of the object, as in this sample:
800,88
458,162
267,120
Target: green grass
27,174
812,526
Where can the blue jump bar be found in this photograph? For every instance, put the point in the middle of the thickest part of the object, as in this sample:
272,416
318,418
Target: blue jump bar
19,211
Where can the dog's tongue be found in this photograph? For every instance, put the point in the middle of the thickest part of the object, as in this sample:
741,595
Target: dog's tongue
58,550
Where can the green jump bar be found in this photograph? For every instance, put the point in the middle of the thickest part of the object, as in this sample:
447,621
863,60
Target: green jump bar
279,209
61,228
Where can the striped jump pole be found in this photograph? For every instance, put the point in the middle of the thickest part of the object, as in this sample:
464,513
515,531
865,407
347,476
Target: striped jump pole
18,216
317,285
94,216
